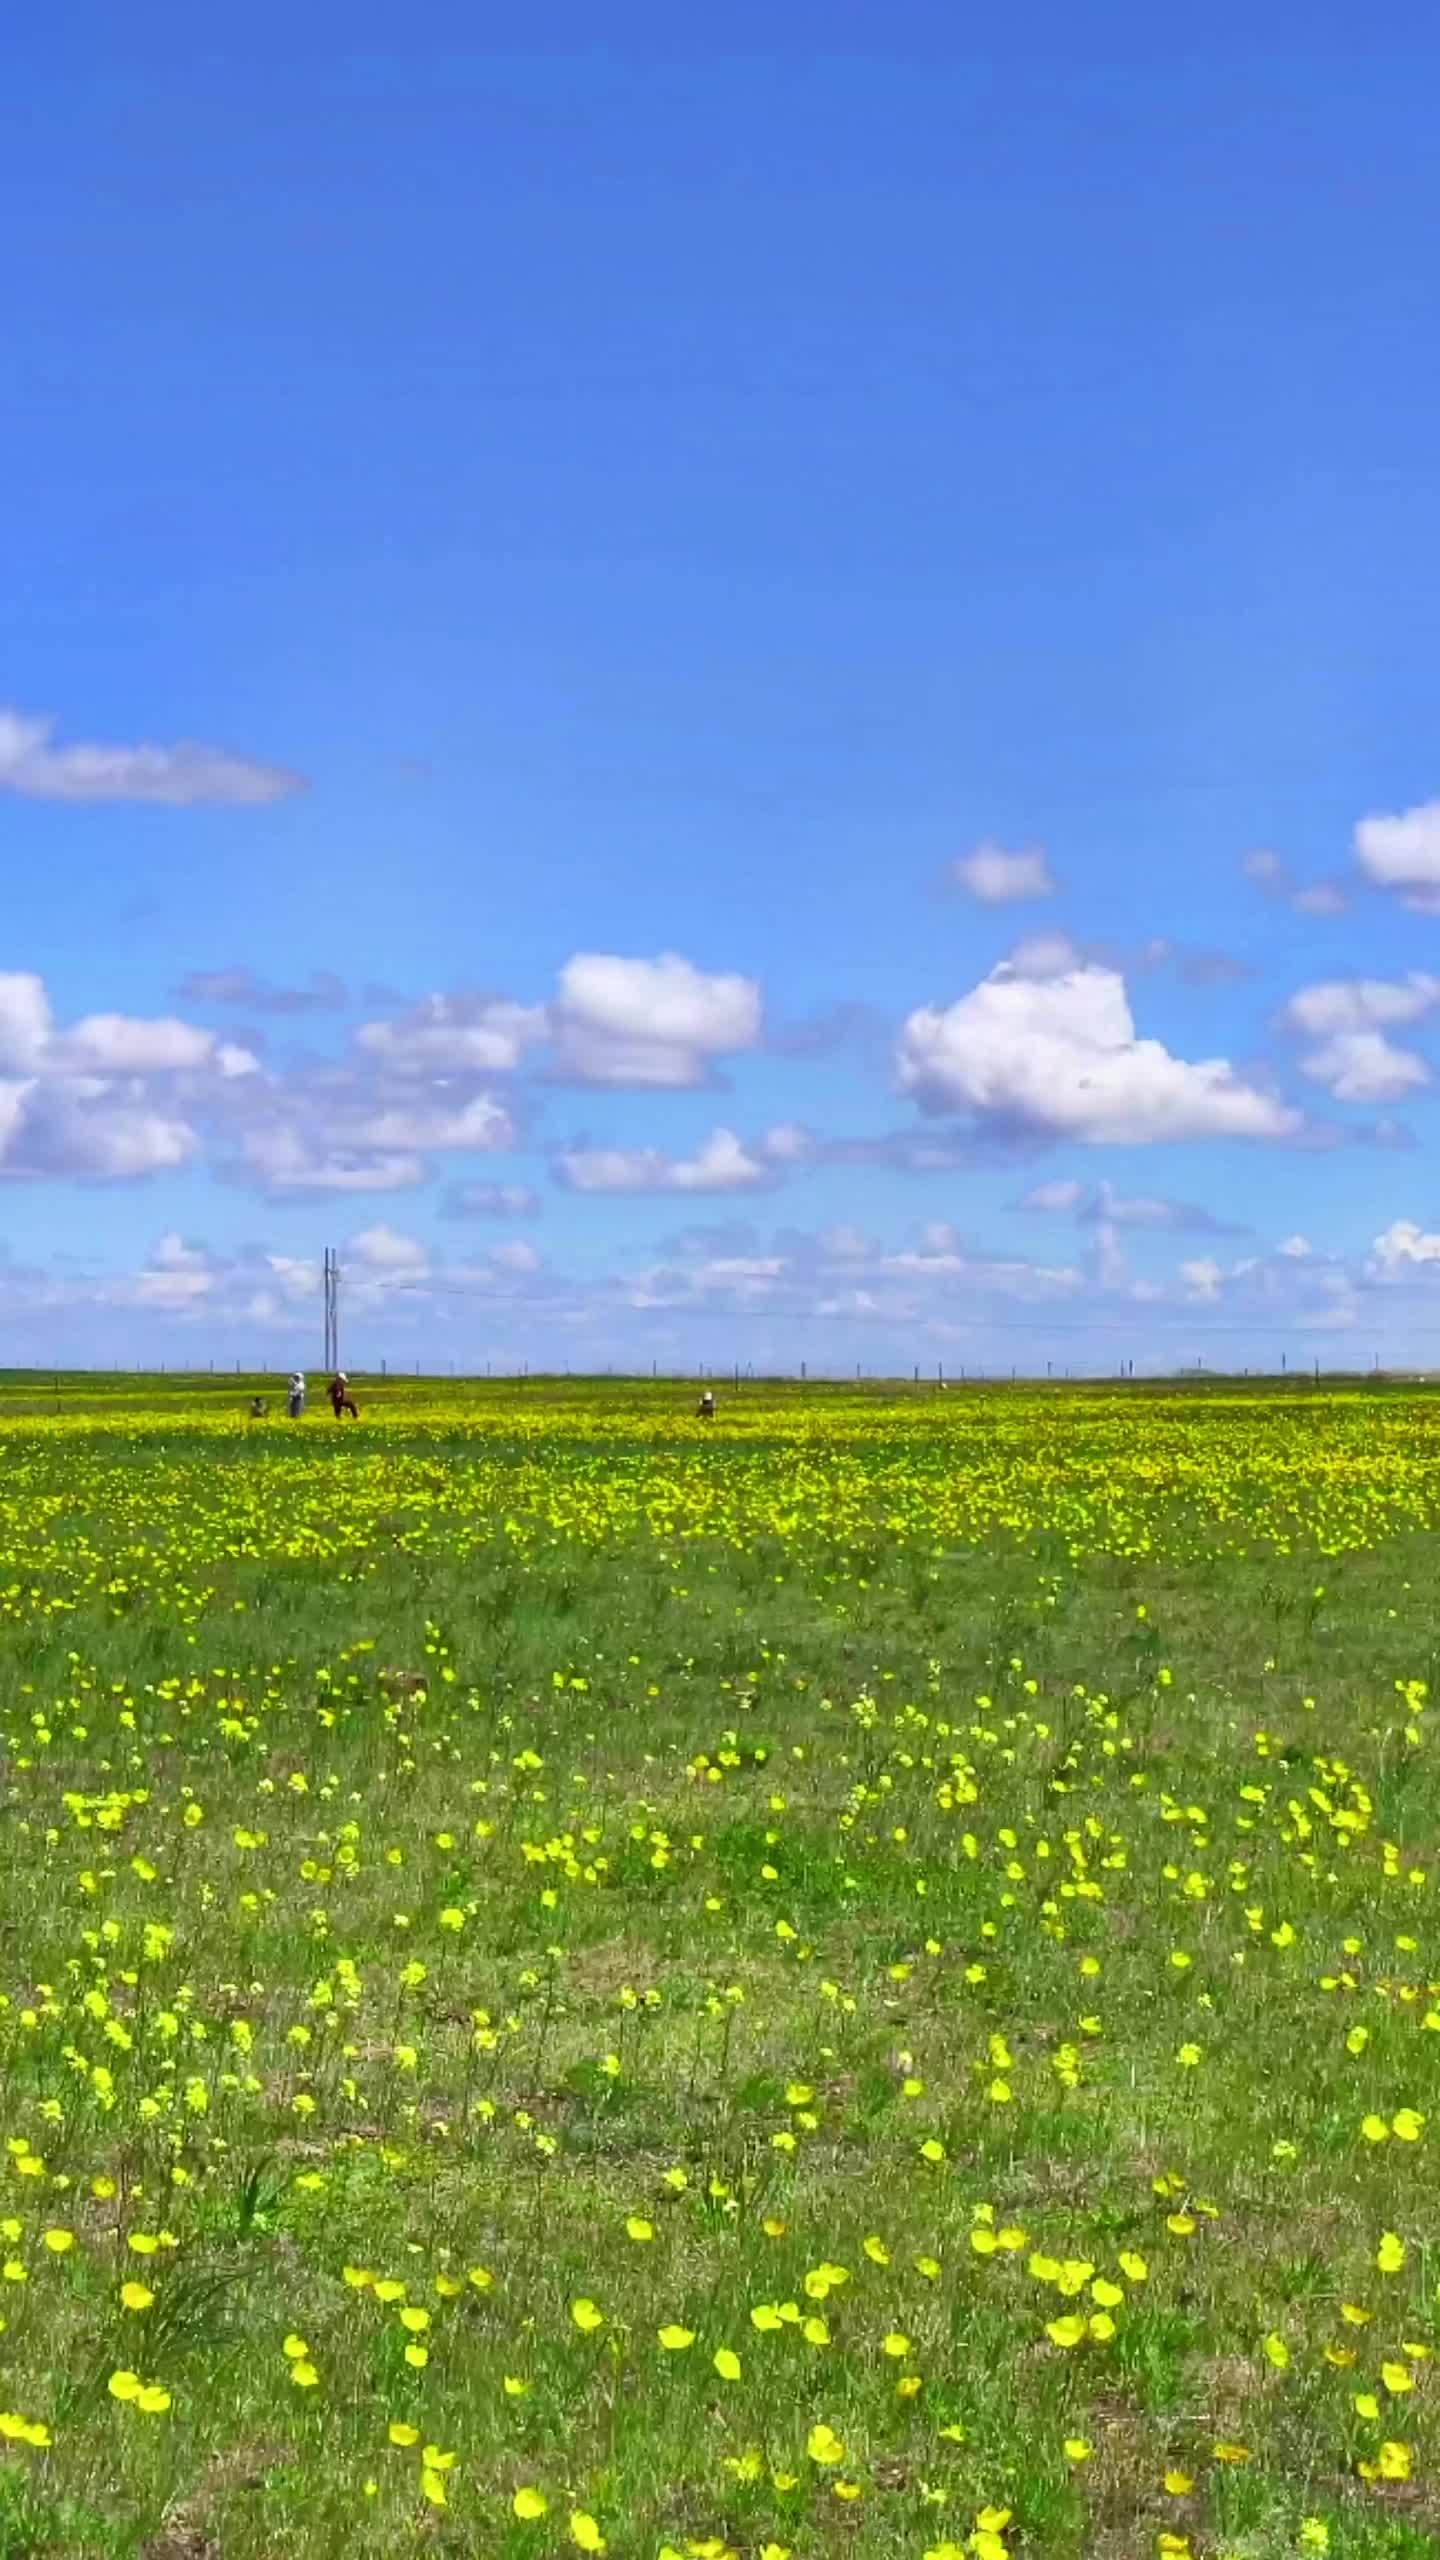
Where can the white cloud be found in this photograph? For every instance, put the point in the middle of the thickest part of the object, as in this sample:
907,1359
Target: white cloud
178,1278
118,1044
79,1131
1296,1249
1403,1246
26,1022
1401,851
1061,1056
479,1126
1203,1280
178,777
383,1248
450,1035
649,1022
1360,1004
172,1253
1000,879
285,1162
723,1163
516,1257
1363,1066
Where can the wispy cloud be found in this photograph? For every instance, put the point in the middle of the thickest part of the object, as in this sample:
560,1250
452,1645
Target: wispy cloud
184,776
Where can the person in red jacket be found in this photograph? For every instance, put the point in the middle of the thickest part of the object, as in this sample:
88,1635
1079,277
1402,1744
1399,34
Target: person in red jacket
341,1400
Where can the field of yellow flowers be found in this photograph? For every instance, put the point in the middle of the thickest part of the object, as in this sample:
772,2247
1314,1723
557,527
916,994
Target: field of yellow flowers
859,1978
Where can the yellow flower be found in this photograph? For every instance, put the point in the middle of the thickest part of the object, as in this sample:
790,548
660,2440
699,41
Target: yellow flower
1314,2534
824,2446
1178,2484
674,2339
637,2228
153,2399
727,2364
414,2319
586,2314
585,2532
418,2357
895,2344
432,2486
1078,2449
530,2505
58,2241
1275,2351
1390,2256
136,2297
303,2374
124,2385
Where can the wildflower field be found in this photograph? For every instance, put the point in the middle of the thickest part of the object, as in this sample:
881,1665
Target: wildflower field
861,1978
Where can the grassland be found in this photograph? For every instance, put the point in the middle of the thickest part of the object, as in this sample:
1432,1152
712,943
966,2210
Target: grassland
859,1979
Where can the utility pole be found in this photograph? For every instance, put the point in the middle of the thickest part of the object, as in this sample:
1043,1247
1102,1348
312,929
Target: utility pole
332,1310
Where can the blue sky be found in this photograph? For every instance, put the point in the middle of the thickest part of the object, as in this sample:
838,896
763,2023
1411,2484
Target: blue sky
815,651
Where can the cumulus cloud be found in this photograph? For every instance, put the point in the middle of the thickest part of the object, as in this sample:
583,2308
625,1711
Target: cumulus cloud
1363,1066
455,1034
1401,851
178,1277
83,1130
127,1045
1203,1280
1000,879
1404,1247
1360,1004
649,1022
383,1248
179,777
723,1163
289,1162
1061,1056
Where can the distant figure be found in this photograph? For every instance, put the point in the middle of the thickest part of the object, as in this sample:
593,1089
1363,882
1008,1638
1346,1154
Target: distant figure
341,1400
295,1395
707,1405
259,1407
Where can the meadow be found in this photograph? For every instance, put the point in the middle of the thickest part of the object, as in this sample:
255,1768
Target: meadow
861,1978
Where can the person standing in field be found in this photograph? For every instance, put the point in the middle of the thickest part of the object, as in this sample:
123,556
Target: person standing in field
341,1400
295,1395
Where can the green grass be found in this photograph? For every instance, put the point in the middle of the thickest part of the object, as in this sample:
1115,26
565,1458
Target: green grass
458,1838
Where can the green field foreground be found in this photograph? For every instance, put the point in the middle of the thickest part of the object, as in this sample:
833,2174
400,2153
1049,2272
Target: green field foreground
859,1978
